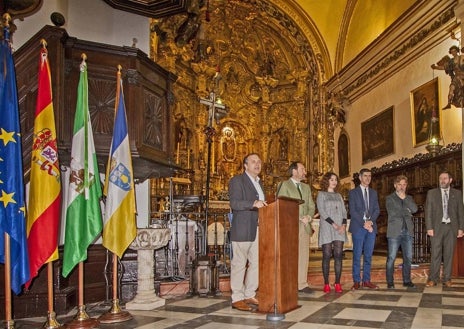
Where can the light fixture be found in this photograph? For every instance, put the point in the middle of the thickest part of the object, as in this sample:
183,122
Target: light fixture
435,140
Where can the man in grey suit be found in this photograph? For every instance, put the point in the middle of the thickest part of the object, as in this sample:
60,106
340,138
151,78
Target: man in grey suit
246,195
400,230
294,188
444,213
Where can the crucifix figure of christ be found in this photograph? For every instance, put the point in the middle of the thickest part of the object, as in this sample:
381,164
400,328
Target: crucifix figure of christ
216,109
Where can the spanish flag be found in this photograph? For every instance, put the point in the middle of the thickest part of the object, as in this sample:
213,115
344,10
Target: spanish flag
45,188
119,222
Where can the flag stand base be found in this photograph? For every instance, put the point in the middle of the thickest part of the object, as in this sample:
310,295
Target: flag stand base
77,324
51,323
115,314
82,320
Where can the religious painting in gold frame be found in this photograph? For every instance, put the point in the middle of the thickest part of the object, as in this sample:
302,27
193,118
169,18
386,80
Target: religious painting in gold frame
377,136
424,100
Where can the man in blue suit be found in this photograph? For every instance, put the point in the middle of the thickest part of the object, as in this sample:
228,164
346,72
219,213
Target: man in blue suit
364,210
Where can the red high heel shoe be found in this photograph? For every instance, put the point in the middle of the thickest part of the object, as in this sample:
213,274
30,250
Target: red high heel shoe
326,288
338,288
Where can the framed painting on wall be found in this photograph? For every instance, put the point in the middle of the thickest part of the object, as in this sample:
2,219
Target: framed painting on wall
377,136
424,101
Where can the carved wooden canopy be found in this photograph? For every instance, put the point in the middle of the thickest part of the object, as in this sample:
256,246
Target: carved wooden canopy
150,8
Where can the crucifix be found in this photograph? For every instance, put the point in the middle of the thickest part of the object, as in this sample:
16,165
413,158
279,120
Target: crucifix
217,111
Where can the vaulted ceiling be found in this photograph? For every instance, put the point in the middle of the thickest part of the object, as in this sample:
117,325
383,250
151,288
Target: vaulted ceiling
348,26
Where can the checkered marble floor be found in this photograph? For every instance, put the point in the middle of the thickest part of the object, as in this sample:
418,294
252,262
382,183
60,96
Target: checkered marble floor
420,308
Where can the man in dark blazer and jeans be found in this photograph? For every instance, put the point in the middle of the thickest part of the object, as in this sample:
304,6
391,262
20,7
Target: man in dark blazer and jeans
400,230
246,195
444,220
364,210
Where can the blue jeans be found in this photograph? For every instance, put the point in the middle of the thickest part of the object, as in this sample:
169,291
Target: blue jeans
405,241
363,245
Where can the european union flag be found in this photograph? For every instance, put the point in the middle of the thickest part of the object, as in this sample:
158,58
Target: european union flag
12,205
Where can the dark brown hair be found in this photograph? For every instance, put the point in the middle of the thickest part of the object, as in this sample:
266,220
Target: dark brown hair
325,181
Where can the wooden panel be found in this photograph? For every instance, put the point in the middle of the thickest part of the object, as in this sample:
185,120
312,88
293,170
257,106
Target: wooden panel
278,256
147,89
35,301
422,171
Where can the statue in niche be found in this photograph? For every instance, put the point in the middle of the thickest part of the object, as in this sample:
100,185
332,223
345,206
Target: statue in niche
232,76
270,167
228,145
182,132
282,136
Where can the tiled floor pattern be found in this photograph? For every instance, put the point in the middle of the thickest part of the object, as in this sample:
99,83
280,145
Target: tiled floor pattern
421,308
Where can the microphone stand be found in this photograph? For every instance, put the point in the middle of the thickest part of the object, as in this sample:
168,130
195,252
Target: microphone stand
276,316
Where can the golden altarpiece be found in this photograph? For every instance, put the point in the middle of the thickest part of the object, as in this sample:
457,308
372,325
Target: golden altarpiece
270,81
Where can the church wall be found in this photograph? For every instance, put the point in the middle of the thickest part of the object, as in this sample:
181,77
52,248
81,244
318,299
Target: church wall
396,92
88,20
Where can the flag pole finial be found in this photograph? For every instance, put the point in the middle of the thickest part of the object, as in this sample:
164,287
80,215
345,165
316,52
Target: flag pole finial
84,57
119,68
43,43
6,19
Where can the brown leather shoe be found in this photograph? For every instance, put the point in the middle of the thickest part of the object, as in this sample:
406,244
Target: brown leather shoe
241,306
370,285
430,283
356,286
251,301
448,284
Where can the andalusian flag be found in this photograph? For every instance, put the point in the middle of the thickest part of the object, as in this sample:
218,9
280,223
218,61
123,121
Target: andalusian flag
12,204
43,216
83,213
119,224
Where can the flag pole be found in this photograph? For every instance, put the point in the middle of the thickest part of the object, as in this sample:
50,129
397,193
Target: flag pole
83,215
115,314
110,232
8,319
82,319
51,322
44,95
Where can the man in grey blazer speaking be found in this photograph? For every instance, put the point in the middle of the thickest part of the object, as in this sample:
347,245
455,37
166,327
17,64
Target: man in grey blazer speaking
444,220
246,195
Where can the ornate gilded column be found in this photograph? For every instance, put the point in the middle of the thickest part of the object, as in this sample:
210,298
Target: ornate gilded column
146,242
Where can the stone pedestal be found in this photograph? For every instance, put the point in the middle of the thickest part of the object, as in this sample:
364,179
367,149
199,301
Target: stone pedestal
146,242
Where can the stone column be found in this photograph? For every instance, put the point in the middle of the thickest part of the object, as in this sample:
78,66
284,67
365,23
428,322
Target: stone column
146,242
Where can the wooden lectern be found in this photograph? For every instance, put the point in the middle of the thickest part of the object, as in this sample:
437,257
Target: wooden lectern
278,256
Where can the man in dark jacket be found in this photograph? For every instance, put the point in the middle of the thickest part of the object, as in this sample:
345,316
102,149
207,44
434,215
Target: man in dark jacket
246,195
400,230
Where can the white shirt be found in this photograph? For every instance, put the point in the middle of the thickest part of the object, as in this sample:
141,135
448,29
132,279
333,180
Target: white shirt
258,188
